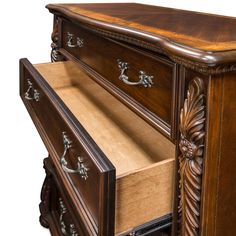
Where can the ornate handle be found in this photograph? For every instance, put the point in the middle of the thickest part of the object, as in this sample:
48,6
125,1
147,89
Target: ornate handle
144,79
81,168
63,211
34,95
79,41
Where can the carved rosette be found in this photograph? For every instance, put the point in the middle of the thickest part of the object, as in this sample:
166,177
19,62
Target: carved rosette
192,125
55,55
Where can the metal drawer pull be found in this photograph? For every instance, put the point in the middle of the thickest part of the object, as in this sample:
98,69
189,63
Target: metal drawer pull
63,211
31,93
81,169
79,41
144,79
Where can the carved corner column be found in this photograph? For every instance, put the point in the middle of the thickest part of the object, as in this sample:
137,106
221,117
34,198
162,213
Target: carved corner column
191,149
44,205
55,55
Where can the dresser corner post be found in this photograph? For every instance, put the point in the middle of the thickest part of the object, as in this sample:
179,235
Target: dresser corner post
44,205
190,159
55,45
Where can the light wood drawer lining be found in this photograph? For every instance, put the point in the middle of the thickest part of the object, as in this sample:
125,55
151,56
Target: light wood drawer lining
128,141
144,159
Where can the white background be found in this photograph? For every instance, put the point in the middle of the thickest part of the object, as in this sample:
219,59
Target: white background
25,32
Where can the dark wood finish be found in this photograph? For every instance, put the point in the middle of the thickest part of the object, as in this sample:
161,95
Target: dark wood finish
193,57
157,102
60,216
95,194
55,125
171,23
194,43
56,41
102,173
58,212
220,167
192,131
44,205
49,199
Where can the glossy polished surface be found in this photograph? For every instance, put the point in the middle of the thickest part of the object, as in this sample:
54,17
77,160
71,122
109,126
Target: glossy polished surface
199,30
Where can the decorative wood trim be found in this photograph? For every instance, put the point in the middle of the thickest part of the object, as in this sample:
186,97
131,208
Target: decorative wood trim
44,205
55,55
203,68
188,63
198,60
191,145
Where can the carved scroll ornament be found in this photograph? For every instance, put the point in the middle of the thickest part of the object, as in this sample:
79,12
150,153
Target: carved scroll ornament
55,55
192,122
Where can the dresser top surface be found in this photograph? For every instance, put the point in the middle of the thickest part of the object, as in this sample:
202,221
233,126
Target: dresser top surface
201,31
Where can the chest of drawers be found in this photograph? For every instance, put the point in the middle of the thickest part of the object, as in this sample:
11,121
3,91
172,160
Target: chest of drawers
137,113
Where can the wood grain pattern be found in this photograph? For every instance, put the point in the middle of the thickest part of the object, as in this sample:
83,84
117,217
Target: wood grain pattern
91,105
218,205
136,202
192,123
188,38
101,55
174,24
133,147
226,204
202,48
95,216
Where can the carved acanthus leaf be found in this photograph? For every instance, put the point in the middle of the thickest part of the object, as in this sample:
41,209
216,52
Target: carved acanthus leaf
192,122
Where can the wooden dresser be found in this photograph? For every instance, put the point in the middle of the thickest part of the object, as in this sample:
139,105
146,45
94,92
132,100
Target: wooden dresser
138,113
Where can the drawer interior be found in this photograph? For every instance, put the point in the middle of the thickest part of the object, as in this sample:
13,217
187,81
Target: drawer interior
143,158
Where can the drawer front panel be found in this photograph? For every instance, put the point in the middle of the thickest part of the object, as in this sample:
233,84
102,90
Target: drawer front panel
72,150
58,206
146,80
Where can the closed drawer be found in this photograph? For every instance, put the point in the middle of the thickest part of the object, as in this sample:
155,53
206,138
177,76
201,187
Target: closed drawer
143,81
108,136
61,211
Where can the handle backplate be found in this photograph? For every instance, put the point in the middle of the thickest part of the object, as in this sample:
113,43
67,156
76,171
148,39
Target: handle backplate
31,93
81,169
72,229
70,38
144,79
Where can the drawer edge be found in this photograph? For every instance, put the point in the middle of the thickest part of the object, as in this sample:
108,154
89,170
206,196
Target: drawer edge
107,200
104,163
140,110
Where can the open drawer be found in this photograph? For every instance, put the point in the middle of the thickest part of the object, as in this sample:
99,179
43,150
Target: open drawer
117,169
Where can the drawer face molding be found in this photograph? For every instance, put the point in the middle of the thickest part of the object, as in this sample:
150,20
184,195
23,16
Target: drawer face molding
54,203
88,187
137,112
144,81
94,188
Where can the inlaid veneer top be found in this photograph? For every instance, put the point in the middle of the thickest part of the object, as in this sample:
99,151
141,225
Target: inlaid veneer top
202,31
